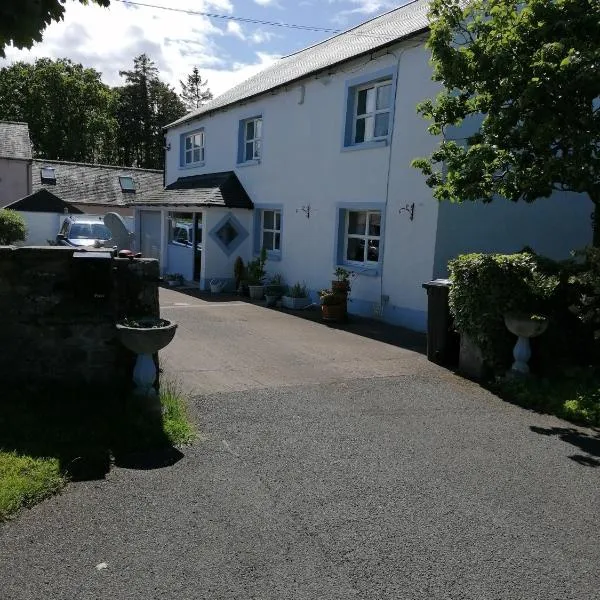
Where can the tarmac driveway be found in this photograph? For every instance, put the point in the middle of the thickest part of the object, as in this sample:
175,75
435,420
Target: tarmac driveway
332,466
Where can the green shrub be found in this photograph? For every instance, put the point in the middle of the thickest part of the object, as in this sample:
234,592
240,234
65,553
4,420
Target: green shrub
586,305
12,227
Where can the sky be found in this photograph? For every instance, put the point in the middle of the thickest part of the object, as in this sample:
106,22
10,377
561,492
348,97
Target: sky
225,51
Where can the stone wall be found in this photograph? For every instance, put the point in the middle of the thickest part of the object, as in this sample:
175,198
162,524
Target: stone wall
58,309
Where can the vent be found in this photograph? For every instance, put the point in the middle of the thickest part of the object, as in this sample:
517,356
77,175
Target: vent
127,184
48,175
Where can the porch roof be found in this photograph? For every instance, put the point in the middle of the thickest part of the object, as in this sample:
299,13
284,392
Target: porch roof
211,189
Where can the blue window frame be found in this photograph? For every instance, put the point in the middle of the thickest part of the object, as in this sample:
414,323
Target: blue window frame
250,139
268,229
192,151
360,236
369,114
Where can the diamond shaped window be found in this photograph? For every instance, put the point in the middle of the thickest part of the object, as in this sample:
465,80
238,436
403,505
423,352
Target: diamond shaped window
227,233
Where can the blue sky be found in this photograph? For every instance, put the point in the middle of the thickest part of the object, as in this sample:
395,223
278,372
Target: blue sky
225,51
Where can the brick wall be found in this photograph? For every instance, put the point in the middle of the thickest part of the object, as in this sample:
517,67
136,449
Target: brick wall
58,309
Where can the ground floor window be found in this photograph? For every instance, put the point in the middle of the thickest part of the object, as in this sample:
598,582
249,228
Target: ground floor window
362,236
271,230
181,229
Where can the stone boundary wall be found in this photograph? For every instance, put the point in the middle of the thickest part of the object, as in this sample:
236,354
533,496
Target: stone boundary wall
58,309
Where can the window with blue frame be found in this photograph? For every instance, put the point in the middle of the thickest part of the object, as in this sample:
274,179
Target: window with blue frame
270,231
250,140
359,244
192,152
369,109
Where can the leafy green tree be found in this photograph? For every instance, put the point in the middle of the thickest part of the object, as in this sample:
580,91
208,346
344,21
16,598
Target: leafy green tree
67,107
12,227
195,92
23,21
144,106
527,72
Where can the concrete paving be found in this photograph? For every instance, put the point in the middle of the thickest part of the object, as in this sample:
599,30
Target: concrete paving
331,466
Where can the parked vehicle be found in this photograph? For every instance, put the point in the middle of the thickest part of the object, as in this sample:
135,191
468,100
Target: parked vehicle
84,231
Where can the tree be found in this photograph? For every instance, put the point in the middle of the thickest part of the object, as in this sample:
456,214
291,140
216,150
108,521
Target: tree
195,92
12,227
144,106
527,71
23,21
67,107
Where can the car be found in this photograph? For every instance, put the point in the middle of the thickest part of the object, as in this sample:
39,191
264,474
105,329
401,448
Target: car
82,232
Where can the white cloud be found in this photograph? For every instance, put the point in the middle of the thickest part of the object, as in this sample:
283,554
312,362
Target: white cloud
109,39
363,7
268,3
261,36
235,29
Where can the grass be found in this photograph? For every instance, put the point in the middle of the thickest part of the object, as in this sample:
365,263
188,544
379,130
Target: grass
47,441
573,395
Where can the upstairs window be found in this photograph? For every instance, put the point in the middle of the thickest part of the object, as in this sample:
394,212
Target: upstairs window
250,142
372,113
48,175
193,148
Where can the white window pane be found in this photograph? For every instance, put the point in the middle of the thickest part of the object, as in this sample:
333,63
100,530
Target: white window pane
250,130
357,222
371,95
258,129
268,219
375,224
250,151
356,250
257,148
197,155
382,124
369,128
188,143
278,220
360,131
268,240
277,242
373,251
384,96
198,141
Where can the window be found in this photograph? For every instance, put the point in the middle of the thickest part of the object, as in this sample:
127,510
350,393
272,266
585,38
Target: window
372,112
369,115
250,142
193,149
229,233
48,175
127,183
362,237
271,230
181,229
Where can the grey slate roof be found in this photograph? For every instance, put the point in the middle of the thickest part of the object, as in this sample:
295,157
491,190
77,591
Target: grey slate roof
81,183
212,189
14,140
43,201
382,31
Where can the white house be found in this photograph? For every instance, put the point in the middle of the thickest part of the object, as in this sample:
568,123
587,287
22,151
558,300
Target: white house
311,159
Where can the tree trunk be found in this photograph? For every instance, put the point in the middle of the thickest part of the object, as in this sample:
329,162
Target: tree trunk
595,196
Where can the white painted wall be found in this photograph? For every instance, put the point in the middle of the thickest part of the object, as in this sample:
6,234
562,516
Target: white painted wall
303,164
41,227
15,180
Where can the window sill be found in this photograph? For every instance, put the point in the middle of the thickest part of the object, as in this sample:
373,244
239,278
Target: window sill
271,255
192,166
366,145
248,163
369,271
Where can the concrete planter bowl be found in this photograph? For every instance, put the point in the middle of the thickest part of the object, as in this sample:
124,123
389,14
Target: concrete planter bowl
146,338
524,327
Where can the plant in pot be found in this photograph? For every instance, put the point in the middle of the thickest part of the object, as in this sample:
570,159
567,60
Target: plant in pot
274,290
255,275
145,336
297,297
174,279
333,305
341,283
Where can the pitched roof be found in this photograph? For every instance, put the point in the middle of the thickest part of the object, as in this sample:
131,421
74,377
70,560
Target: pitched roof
377,33
211,189
81,183
43,201
14,140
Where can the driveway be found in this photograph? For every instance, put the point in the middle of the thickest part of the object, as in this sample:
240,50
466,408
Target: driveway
331,466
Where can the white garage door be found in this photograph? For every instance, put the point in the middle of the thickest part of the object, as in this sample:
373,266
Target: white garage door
150,233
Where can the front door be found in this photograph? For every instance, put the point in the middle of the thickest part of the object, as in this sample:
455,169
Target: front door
197,245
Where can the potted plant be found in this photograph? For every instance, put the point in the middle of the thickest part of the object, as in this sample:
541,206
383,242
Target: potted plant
341,283
296,297
174,279
333,305
255,275
274,290
145,336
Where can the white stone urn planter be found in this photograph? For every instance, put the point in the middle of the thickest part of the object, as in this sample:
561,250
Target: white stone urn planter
524,327
257,292
145,337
